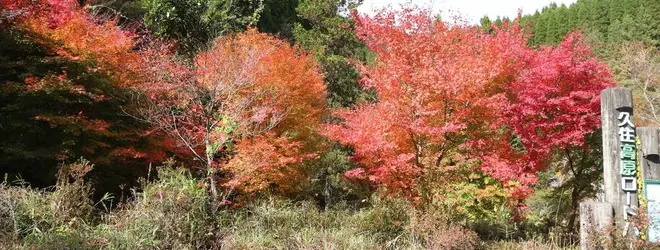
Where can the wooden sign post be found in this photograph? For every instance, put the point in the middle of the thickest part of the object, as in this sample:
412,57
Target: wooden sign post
619,170
595,221
619,153
650,153
650,165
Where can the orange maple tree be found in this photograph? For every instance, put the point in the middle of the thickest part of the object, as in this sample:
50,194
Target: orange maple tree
72,35
250,106
246,106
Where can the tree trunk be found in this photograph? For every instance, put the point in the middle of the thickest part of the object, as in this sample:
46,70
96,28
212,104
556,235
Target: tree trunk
326,193
210,173
575,193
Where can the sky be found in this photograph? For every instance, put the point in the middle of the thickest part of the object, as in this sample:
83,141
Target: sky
470,10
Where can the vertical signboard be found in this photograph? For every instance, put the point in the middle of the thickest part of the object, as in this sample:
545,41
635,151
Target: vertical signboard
619,153
649,160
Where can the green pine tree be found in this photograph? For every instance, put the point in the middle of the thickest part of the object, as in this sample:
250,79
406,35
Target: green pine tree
485,24
498,21
331,37
615,34
562,20
650,16
553,30
617,10
630,7
573,17
647,26
582,12
279,17
599,18
540,29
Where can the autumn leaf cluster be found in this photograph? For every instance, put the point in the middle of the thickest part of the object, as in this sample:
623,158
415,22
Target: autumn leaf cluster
451,95
250,109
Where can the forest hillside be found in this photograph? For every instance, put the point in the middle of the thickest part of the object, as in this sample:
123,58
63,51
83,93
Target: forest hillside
304,124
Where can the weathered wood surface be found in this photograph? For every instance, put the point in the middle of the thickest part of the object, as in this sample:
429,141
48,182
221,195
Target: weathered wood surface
596,220
613,101
650,152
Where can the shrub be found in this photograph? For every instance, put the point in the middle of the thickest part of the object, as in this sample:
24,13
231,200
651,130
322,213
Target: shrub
538,244
171,213
436,232
8,207
386,219
388,223
40,217
280,224
175,212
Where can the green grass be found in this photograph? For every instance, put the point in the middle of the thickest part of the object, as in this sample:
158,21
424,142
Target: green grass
175,212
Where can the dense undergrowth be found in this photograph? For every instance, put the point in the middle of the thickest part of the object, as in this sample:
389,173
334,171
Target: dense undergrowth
175,212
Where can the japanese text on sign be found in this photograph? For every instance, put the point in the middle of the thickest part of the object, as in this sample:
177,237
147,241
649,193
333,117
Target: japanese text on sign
628,159
628,153
627,139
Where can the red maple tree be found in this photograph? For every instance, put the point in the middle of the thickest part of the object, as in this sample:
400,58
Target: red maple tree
450,95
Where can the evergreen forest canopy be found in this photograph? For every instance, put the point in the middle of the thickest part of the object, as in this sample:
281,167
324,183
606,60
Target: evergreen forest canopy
235,104
606,22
